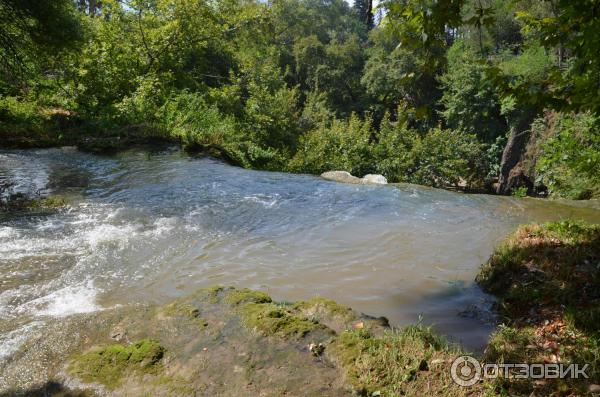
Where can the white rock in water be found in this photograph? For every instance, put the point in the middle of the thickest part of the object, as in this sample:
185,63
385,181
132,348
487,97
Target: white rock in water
374,178
341,176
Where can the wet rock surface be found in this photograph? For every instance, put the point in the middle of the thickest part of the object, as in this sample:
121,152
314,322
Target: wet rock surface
218,341
227,342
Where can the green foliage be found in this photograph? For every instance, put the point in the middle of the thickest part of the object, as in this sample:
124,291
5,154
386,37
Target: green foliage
519,192
444,157
394,150
426,96
570,157
18,114
364,9
31,33
342,145
470,100
570,29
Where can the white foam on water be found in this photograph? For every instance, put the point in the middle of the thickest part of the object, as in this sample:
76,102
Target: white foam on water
106,233
11,341
266,201
8,232
65,301
161,226
25,247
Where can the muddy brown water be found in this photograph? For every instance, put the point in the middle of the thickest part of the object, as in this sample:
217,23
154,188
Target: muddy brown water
150,225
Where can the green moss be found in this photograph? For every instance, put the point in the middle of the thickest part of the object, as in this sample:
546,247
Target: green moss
19,202
270,319
183,309
245,295
109,364
211,294
51,202
323,306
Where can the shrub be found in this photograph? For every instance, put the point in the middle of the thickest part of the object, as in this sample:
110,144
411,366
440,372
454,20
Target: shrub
470,99
342,145
444,157
18,115
570,156
393,150
142,105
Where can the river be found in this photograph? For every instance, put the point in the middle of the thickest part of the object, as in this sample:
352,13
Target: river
152,224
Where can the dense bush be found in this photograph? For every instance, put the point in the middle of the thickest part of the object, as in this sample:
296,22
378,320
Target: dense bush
340,145
18,114
445,157
394,150
436,158
569,162
470,99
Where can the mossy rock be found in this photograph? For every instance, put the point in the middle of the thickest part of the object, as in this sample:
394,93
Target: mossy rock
54,202
320,306
245,295
109,364
271,319
180,309
19,202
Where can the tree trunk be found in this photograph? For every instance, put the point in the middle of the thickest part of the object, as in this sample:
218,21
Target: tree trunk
514,149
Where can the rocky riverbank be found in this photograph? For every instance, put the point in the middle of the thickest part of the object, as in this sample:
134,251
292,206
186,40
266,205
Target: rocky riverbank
227,341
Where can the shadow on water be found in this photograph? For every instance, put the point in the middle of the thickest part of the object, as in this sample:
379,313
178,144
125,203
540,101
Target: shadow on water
50,388
462,312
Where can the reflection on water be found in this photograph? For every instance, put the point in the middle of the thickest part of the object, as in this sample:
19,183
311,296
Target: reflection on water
152,225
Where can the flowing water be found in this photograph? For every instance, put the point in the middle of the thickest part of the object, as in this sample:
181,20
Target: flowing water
153,224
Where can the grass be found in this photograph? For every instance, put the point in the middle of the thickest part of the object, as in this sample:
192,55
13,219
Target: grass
547,279
412,361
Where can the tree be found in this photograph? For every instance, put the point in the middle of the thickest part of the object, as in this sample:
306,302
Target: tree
571,32
471,101
364,8
32,30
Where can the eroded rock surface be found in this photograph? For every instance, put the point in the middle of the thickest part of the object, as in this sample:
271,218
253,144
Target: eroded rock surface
226,342
218,341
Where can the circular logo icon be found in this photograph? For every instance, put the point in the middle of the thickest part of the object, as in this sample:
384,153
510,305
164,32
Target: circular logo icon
465,371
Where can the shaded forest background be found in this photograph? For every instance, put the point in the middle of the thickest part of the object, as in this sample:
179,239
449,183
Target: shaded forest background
496,95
